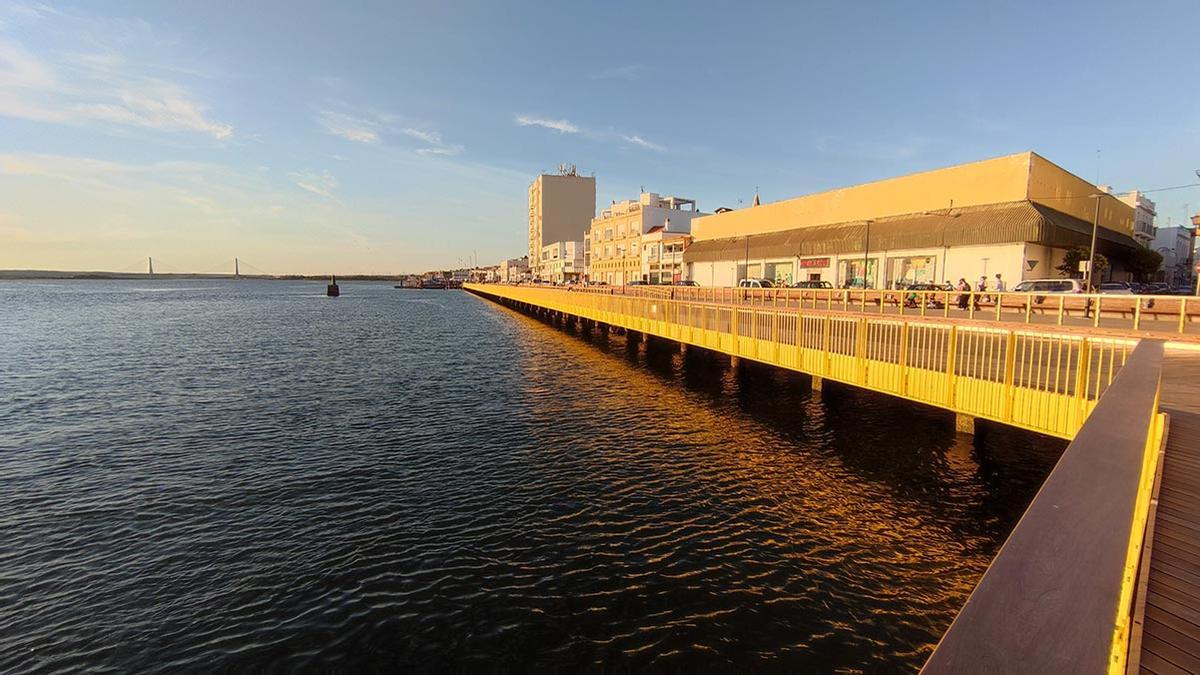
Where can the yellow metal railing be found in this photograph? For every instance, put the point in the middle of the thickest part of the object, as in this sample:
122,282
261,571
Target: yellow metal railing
1044,382
1159,313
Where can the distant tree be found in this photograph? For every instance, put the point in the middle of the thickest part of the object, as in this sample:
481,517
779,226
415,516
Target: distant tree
1070,265
1144,262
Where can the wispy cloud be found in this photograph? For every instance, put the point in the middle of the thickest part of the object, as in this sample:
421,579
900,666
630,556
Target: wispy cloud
617,73
641,142
351,128
104,86
561,126
322,184
375,127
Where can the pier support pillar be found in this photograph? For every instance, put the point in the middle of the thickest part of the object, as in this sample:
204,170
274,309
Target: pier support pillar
683,348
818,383
964,424
735,362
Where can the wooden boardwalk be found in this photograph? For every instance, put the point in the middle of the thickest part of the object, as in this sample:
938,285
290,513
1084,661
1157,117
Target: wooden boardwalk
1170,635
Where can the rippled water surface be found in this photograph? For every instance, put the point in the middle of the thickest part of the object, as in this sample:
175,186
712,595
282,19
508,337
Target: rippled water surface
220,474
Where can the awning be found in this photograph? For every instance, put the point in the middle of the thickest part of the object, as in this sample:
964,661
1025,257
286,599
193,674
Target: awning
1002,223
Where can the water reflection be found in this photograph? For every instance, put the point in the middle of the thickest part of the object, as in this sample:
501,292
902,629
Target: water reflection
849,526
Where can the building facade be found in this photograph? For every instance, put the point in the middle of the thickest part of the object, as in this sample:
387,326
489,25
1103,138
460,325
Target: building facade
614,243
662,255
1016,216
513,270
1176,244
1143,217
561,261
561,206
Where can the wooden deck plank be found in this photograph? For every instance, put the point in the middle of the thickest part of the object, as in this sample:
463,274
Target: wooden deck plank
1175,588
1180,657
1187,574
1180,640
1177,537
1170,640
1156,665
1177,624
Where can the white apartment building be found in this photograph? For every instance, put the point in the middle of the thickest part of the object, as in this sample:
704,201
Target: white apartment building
662,255
614,244
1175,244
1143,217
561,262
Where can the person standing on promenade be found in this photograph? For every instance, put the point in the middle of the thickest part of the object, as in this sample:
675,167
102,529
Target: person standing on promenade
964,293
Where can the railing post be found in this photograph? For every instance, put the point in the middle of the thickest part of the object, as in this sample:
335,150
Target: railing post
1083,365
1182,312
1096,315
826,339
1010,373
860,351
1061,300
904,358
951,365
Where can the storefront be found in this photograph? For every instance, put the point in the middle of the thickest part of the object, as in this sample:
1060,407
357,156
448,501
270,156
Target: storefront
816,269
779,272
851,273
911,270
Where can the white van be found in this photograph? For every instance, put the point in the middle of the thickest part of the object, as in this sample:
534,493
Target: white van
1049,286
755,283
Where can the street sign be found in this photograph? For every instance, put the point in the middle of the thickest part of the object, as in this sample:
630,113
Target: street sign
1084,265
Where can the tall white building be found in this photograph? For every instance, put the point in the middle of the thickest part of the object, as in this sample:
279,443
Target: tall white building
561,207
1143,217
1175,244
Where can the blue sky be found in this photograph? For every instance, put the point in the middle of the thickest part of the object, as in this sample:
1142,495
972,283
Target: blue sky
388,137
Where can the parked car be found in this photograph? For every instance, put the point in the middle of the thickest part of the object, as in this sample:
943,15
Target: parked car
812,284
685,282
755,283
1049,286
1156,288
1116,288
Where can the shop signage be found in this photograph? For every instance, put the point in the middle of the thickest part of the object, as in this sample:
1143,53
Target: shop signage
815,262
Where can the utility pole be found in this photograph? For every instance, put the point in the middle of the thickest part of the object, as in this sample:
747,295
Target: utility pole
1087,285
236,272
150,262
866,250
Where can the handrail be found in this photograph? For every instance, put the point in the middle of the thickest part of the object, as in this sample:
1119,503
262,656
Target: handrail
1058,596
1142,313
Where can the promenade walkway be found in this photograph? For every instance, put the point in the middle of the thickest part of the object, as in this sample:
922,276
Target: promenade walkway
1168,615
1165,317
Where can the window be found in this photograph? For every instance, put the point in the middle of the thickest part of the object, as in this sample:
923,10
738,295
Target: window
608,234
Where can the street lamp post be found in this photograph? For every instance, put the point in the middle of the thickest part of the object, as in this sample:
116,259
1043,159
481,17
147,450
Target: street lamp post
1092,249
866,250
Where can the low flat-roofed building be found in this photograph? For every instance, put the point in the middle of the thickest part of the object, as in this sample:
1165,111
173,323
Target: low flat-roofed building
561,261
662,255
1015,216
513,270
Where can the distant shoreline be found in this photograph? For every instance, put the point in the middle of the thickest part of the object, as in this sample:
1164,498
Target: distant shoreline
68,275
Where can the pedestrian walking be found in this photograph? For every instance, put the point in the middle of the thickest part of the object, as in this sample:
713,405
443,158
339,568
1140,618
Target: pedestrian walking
964,293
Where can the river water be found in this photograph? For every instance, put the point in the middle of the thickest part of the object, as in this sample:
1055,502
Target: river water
242,475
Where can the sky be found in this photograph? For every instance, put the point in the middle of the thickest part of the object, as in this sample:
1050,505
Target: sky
390,137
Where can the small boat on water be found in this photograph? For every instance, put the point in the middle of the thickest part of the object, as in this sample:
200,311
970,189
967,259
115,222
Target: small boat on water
433,283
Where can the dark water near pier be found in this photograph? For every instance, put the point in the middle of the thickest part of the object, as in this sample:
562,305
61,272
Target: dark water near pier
214,474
